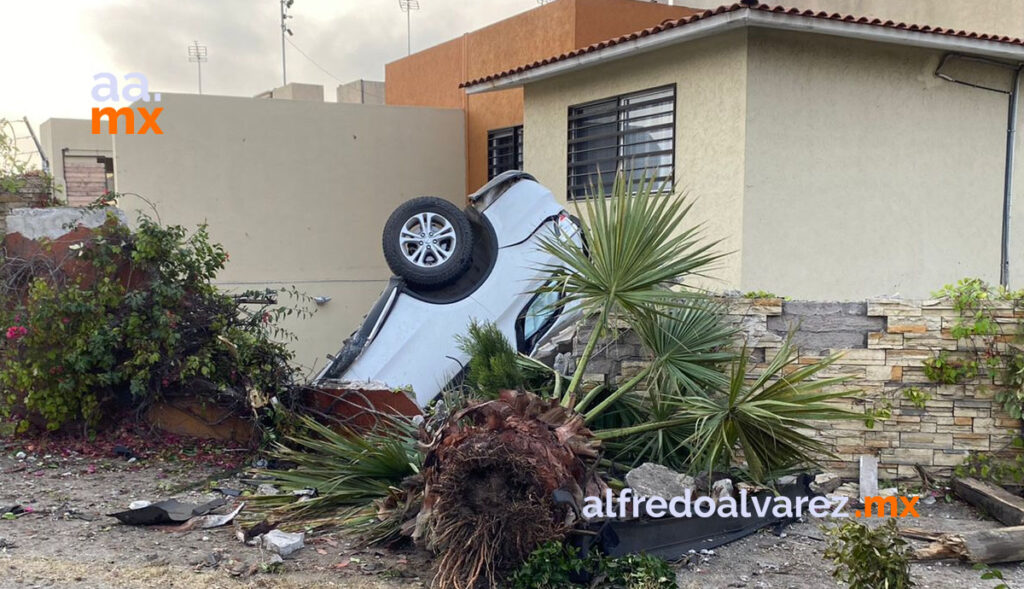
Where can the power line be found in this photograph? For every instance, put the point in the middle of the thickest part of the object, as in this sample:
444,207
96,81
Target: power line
313,61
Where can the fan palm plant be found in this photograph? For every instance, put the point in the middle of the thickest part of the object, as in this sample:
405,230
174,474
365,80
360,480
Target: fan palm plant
636,244
765,416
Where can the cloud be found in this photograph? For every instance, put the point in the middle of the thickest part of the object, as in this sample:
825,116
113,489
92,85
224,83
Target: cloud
350,40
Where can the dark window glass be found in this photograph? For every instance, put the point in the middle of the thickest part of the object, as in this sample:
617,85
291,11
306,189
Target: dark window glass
504,150
633,132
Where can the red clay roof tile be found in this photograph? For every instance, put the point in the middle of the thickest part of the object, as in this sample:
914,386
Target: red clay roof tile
744,5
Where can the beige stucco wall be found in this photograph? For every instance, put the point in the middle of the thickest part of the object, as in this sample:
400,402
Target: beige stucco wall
710,78
74,135
1004,17
865,174
296,191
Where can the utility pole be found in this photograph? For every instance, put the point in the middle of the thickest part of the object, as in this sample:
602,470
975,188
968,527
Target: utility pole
285,5
407,7
197,55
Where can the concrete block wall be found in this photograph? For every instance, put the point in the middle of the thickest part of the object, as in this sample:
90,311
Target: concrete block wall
884,343
34,194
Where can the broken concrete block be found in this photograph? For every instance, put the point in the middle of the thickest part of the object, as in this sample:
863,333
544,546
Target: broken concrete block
826,483
789,479
721,489
283,543
868,476
267,489
848,490
656,480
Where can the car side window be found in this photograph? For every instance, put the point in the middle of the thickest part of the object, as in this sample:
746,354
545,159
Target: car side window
536,319
540,310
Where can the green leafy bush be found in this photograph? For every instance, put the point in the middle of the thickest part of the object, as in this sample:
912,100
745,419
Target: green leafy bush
1000,468
557,566
917,396
944,369
990,331
869,558
135,316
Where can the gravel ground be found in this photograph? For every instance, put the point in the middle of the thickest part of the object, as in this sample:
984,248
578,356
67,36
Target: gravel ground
795,560
68,541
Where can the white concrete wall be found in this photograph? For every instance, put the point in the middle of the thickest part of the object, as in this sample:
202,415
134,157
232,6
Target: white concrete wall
297,192
75,136
710,78
865,174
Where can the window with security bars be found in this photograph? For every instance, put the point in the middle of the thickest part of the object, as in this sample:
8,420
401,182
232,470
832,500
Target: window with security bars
632,132
504,150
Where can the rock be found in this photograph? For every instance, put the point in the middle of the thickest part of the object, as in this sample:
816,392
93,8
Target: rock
283,543
266,489
789,479
139,504
888,492
564,363
721,489
750,488
20,456
826,483
656,480
851,490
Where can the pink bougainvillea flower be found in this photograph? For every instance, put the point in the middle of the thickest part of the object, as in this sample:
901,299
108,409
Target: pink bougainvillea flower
16,332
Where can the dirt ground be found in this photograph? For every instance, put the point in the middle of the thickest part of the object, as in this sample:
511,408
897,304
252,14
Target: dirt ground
67,540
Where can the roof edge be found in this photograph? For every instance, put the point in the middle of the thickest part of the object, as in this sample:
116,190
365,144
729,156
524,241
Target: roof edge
721,22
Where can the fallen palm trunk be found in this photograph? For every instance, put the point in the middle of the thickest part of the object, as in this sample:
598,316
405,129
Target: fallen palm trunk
995,501
490,472
987,546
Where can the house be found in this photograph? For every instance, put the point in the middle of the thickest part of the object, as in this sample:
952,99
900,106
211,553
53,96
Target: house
838,157
432,77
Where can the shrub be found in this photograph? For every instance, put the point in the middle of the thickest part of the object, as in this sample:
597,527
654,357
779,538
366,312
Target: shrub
135,316
869,558
492,365
557,566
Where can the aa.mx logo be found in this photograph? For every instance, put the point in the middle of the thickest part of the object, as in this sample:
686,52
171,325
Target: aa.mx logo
105,90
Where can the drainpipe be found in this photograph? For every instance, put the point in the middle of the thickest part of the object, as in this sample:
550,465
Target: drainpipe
1013,95
1011,143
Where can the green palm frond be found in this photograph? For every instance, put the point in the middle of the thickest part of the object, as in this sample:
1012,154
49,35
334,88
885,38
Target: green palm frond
690,346
767,417
668,445
639,241
348,470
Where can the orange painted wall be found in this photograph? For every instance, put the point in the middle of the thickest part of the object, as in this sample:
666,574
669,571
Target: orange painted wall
599,20
428,78
431,77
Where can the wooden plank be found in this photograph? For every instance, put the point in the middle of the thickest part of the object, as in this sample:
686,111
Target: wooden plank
988,546
995,501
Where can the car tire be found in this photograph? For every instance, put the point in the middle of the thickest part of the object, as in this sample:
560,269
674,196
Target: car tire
428,241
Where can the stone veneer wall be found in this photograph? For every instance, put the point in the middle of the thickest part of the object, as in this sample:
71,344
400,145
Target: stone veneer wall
884,342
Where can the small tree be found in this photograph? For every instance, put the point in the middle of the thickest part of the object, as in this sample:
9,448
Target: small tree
869,558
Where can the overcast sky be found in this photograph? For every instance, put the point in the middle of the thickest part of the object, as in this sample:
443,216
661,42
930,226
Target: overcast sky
52,48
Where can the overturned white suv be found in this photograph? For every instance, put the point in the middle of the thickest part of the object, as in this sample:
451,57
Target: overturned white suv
453,266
